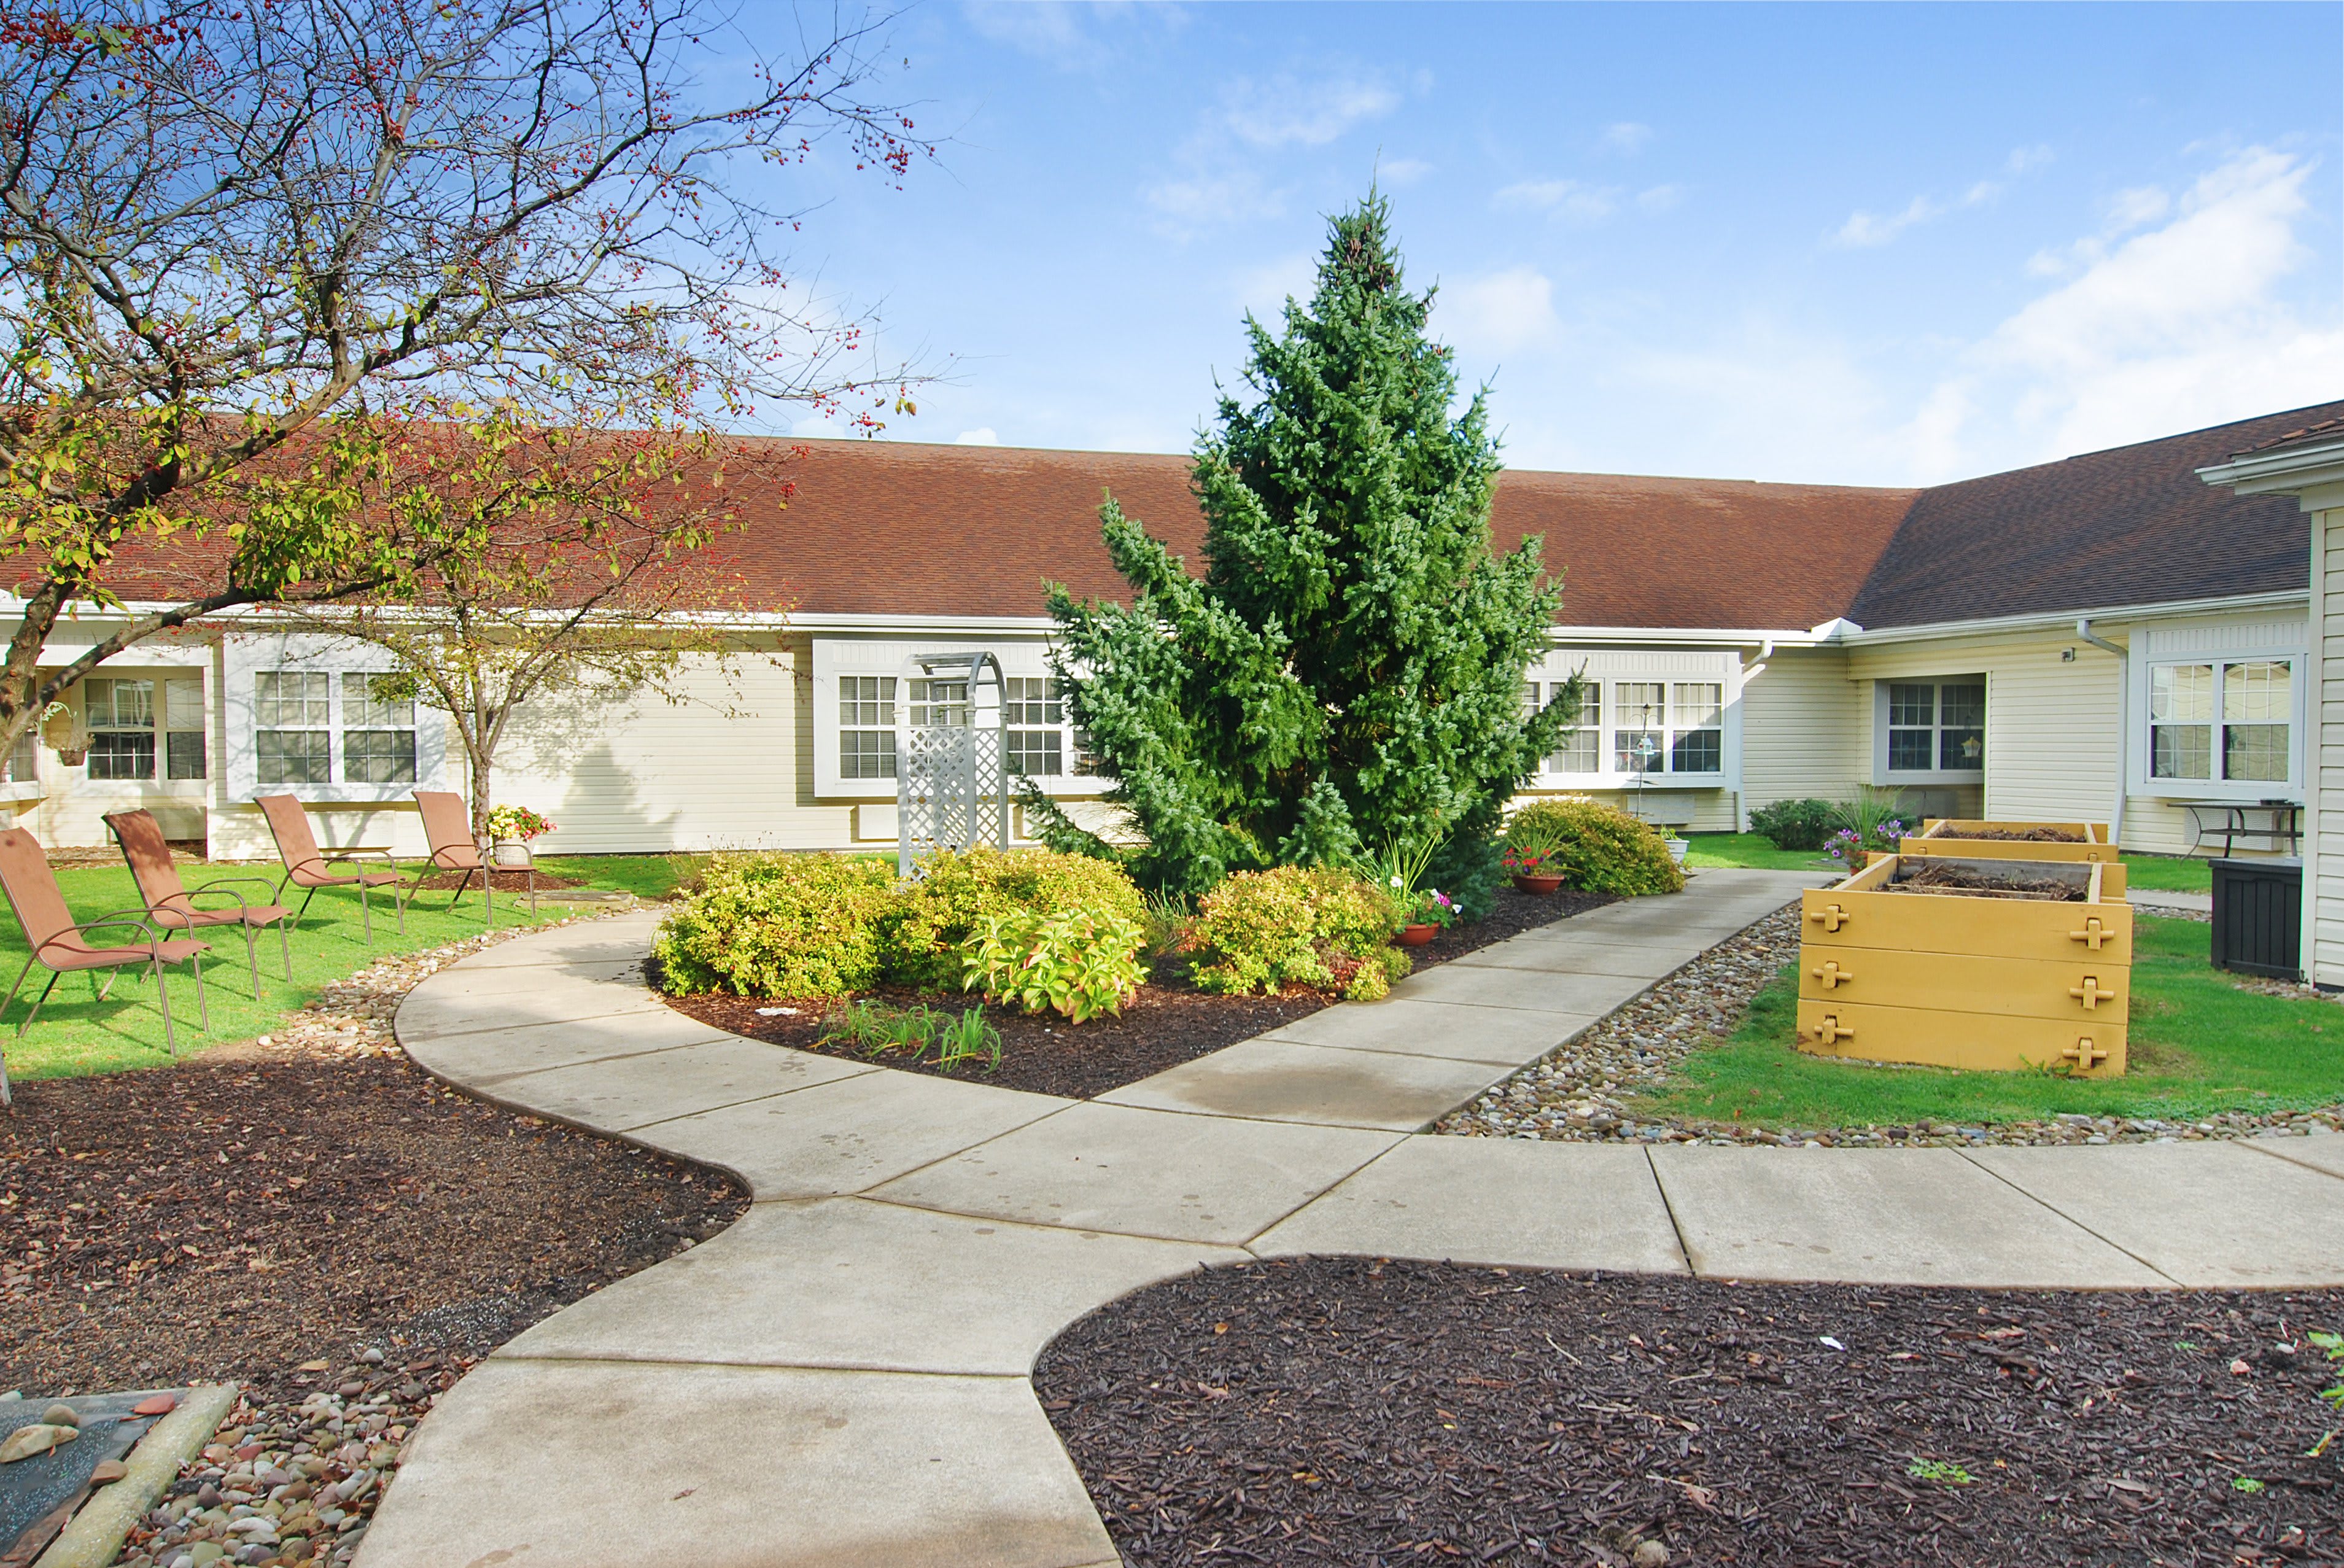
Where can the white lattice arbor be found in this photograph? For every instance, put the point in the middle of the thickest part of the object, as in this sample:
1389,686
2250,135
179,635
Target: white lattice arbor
952,790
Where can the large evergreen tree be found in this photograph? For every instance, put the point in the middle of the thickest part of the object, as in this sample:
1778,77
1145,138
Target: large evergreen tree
1348,672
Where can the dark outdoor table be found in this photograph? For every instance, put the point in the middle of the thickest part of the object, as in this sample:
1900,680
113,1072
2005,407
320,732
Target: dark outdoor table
2229,818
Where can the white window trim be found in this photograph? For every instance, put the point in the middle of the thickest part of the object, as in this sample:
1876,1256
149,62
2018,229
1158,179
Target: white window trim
1881,772
835,656
2248,791
242,657
1665,668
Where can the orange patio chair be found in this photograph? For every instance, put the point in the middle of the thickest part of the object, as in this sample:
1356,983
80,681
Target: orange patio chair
58,946
306,865
448,825
171,904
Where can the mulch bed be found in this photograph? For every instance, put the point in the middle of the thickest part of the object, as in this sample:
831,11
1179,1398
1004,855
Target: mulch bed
1940,876
1361,1412
506,881
228,1219
1167,1023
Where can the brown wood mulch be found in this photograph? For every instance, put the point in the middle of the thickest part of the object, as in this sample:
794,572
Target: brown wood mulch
1369,1414
506,881
1168,1022
233,1219
1939,877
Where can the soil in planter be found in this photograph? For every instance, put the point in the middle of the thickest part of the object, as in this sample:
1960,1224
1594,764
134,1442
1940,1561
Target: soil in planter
513,881
1355,1411
2016,835
1936,877
1167,1023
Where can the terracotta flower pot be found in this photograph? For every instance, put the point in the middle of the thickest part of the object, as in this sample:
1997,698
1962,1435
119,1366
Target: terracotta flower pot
1417,935
1538,885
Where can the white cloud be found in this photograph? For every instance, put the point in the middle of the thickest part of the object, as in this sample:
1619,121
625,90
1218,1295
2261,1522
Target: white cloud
1563,198
1072,38
1226,196
1659,197
981,436
1263,289
818,426
1624,136
1865,230
1497,314
1284,110
1402,171
2023,160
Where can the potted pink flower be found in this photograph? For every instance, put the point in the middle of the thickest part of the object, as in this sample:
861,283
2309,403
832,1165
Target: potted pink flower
511,827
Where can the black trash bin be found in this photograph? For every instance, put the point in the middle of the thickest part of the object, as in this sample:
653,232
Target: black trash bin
2259,917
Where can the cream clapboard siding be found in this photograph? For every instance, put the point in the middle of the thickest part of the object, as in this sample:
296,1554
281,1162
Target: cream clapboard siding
2326,898
2050,723
1805,729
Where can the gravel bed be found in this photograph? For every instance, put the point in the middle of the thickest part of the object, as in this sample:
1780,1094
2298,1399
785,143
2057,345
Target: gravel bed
1361,1412
309,1215
1580,1092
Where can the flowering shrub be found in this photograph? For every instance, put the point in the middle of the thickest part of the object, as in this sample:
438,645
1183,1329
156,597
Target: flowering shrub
1534,839
1259,930
1598,848
1848,845
1079,962
517,822
958,892
1430,907
797,925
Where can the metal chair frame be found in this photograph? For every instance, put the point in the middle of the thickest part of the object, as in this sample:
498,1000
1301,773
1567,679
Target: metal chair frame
244,907
324,856
122,918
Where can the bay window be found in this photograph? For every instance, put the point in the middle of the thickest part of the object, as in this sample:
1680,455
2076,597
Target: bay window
2220,721
1696,727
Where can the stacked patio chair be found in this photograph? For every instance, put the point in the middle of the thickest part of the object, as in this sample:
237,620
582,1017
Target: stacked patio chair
448,825
59,946
170,903
306,865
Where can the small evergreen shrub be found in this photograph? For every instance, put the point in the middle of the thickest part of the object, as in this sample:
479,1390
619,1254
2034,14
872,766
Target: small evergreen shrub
960,891
795,925
1080,962
1599,848
1302,926
1796,824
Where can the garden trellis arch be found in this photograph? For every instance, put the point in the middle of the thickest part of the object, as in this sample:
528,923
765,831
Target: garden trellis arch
951,789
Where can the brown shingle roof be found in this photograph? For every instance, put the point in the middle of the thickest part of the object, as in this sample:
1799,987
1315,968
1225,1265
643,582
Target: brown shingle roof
893,528
2131,525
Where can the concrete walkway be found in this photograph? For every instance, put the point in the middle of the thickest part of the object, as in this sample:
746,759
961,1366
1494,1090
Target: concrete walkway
841,1379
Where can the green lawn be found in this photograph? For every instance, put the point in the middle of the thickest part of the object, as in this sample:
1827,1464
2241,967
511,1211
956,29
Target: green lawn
77,1034
2169,873
2199,1045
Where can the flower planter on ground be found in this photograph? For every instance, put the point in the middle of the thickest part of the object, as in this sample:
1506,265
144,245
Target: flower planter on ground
2084,842
509,855
1992,963
1541,885
1417,935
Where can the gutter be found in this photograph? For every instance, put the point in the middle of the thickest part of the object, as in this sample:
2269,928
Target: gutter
2256,473
2058,620
2084,633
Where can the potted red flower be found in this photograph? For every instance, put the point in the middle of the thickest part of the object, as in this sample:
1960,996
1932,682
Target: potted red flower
1533,853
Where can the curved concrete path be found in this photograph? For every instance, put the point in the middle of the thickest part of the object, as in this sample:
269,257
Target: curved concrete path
841,1379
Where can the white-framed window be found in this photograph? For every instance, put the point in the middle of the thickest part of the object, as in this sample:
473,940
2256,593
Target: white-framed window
186,753
120,718
1929,729
2217,720
1697,726
866,726
1668,716
1668,727
377,729
1035,719
25,759
293,729
938,704
1579,749
318,716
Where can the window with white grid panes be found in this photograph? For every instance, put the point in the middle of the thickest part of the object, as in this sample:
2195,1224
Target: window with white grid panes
1936,727
185,755
2222,721
120,718
1580,749
25,760
378,730
293,726
1640,719
1035,716
866,726
1696,727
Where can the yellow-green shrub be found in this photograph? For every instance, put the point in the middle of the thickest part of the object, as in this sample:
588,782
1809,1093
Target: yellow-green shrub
804,926
1080,962
1597,848
959,891
1259,930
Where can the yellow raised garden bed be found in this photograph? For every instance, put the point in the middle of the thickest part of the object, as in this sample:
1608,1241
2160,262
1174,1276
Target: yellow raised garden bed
1993,963
1980,840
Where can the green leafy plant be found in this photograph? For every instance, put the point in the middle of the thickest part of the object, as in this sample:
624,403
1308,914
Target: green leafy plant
1873,818
877,1029
1531,840
1348,665
1796,824
1261,930
958,892
1598,848
1077,962
2333,1345
2246,1483
1942,1471
792,925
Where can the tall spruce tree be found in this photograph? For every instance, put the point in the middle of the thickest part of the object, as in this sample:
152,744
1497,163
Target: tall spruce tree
1348,671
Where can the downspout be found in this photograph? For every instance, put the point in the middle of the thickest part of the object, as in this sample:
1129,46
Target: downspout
2124,707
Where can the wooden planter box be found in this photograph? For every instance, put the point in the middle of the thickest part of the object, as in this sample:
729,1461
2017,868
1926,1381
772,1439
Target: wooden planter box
1959,836
1968,980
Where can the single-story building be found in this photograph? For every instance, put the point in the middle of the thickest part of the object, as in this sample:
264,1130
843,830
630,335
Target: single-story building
2109,636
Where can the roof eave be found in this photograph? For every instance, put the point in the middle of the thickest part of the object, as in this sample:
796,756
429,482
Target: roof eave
2287,471
2045,620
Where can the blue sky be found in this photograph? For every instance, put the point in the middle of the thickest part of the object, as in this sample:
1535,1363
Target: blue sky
1848,244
